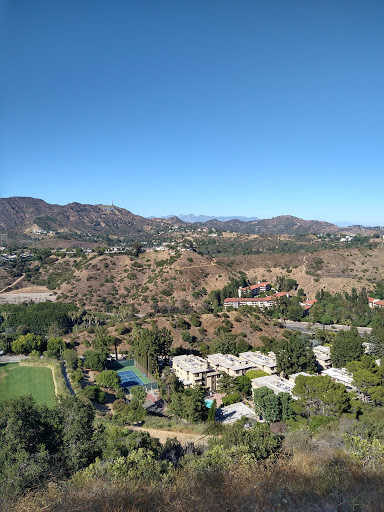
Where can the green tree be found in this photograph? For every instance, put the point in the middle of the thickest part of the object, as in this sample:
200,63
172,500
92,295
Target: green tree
75,418
190,404
149,344
243,383
139,394
267,404
286,402
225,343
25,344
320,395
94,393
94,360
257,441
347,346
212,411
71,358
233,398
295,355
56,346
368,377
226,383
108,379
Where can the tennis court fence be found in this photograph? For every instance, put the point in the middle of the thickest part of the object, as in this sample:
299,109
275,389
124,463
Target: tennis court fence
148,387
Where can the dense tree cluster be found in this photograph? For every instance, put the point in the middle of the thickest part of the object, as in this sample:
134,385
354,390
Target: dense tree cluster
272,407
320,396
189,404
38,318
37,443
346,346
150,344
294,354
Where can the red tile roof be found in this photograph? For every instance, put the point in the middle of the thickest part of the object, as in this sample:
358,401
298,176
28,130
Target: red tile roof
255,286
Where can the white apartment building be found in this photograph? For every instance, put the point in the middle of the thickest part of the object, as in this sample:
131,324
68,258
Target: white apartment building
261,361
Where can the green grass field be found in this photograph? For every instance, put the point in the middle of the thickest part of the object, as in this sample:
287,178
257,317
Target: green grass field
16,381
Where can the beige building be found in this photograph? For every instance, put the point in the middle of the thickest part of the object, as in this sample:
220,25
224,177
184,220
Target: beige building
323,356
193,370
261,361
232,365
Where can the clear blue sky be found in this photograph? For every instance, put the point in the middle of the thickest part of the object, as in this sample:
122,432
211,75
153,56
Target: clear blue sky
255,108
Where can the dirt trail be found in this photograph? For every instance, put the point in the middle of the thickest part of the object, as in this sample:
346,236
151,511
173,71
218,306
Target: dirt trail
198,266
13,284
163,435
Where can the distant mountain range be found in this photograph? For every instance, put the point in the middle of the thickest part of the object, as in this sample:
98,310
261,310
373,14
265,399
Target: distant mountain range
191,218
24,215
20,215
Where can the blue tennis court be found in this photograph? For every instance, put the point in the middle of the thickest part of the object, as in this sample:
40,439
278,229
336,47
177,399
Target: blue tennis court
129,378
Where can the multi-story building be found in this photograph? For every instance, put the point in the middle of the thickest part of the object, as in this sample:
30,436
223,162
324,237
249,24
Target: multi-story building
260,302
323,356
193,370
232,365
261,361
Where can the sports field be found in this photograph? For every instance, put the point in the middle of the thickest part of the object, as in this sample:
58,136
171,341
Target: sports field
16,381
132,376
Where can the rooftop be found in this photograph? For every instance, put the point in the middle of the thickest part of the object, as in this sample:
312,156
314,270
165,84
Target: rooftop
234,412
191,363
320,350
228,361
259,358
277,384
339,374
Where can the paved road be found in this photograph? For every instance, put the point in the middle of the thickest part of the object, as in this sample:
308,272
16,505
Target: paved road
12,359
309,328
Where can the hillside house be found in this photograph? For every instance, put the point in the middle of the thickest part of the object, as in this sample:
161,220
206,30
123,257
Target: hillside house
306,305
375,303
